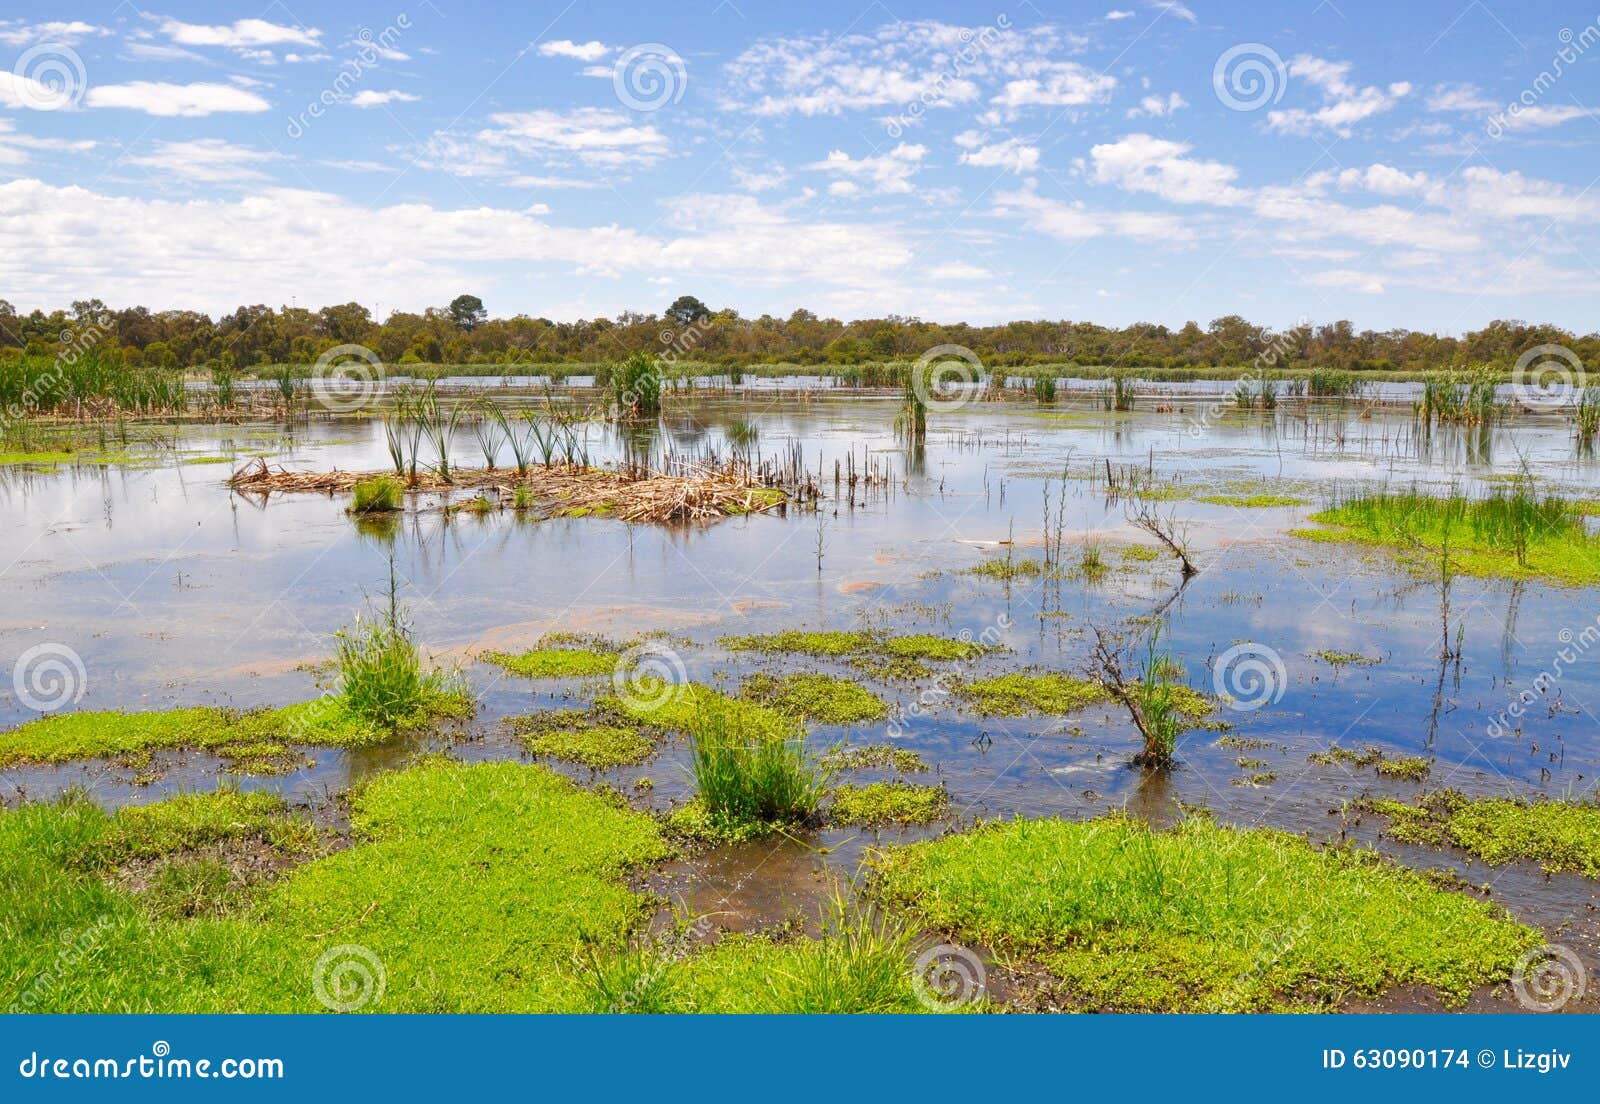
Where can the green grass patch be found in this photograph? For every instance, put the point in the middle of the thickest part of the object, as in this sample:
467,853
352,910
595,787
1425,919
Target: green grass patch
1561,836
1007,569
473,887
598,746
555,662
816,697
191,821
1252,501
1509,533
860,645
322,722
888,803
1018,695
1200,917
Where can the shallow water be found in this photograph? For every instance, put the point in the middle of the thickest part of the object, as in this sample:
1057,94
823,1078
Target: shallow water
175,591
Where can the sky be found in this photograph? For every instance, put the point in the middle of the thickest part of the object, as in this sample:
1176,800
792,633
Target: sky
1420,166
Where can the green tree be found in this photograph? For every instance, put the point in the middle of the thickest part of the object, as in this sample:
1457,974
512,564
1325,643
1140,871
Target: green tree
467,312
686,310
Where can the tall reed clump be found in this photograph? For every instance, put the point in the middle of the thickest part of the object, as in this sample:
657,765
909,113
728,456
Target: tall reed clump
636,387
87,383
1332,383
912,421
419,426
752,768
1044,389
1118,394
380,494
381,678
1450,399
1586,416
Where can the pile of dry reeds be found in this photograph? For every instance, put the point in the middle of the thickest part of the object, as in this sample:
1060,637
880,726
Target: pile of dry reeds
559,490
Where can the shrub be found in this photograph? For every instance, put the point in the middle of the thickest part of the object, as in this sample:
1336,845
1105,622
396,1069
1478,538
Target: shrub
377,495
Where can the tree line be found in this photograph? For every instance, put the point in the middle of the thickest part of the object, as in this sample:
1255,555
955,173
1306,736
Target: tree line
463,333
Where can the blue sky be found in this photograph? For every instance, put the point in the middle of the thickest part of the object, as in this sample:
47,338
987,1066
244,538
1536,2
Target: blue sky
1111,162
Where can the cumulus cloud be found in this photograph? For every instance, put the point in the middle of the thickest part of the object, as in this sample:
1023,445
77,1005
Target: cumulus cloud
1158,107
1012,153
580,51
241,34
925,63
1075,222
887,174
370,97
1344,104
160,98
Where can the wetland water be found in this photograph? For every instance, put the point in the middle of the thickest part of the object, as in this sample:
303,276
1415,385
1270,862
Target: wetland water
174,590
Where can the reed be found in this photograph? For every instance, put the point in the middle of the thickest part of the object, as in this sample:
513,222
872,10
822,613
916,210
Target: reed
750,773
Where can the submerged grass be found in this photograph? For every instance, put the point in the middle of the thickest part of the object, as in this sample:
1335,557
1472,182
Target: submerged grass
816,697
597,746
874,757
555,662
1200,917
888,803
1561,836
1018,695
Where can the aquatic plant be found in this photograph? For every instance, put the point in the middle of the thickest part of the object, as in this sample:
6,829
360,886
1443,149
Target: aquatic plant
748,773
887,803
1119,393
636,387
376,495
1586,416
1044,389
1158,705
381,678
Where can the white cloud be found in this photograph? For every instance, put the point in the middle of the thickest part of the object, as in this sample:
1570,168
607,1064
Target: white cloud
888,174
1066,84
1347,279
1075,222
958,270
19,91
17,148
1157,107
1344,104
601,137
67,32
159,98
580,51
1466,98
1012,153
369,97
1115,14
1384,180
1174,8
241,34
762,180
214,254
212,160
907,68
1142,163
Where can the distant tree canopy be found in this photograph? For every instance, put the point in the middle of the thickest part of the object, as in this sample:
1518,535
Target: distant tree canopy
462,333
686,309
467,312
